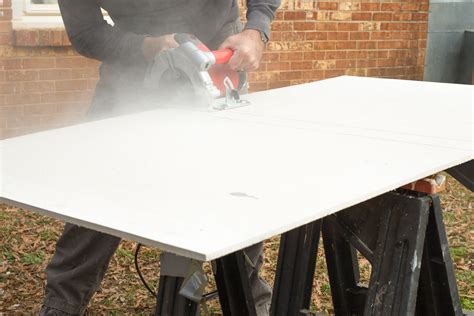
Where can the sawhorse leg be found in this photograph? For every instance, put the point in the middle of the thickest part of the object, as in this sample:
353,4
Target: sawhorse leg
169,302
295,270
233,285
403,237
437,293
389,231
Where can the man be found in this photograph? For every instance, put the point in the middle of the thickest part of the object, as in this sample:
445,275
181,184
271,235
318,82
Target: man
142,29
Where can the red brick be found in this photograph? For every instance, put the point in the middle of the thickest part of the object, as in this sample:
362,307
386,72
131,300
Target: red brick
26,38
313,74
399,26
6,4
334,73
339,36
391,6
71,107
346,45
366,45
12,63
293,36
401,16
372,6
39,63
270,56
420,16
258,86
291,56
274,66
320,36
381,35
314,55
38,86
345,63
282,26
294,15
5,39
275,36
301,65
5,26
324,64
324,45
360,35
24,98
326,26
327,5
382,16
386,63
390,44
71,62
361,16
278,84
337,54
9,87
410,6
39,109
289,75
79,73
304,26
66,96
424,6
357,54
366,63
341,16
55,74
348,26
56,38
68,85
6,14
22,75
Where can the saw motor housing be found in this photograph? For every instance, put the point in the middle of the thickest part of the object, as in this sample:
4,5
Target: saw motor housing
206,70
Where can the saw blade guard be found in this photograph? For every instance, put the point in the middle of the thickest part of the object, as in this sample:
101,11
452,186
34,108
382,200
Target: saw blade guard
215,62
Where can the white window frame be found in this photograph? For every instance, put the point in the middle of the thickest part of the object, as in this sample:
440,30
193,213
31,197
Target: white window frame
40,9
29,15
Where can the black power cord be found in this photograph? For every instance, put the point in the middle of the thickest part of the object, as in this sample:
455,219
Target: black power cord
137,267
206,297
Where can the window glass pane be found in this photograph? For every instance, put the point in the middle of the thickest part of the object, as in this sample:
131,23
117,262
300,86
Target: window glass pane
44,1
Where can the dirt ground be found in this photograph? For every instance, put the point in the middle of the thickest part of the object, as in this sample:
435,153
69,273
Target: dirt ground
27,243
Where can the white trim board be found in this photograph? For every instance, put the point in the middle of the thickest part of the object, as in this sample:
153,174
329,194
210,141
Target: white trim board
204,184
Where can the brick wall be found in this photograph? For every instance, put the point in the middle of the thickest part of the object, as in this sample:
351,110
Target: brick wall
45,84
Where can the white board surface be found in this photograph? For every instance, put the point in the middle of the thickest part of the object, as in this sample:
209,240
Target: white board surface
205,184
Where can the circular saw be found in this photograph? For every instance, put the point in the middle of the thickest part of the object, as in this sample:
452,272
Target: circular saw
194,75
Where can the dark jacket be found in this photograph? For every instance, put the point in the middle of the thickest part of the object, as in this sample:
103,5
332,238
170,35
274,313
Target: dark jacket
119,47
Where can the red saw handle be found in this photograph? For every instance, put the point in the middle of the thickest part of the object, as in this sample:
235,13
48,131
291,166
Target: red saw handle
223,55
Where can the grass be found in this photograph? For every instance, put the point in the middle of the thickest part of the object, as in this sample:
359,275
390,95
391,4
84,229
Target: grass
27,243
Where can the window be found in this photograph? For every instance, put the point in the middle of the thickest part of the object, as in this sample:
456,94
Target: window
42,7
38,14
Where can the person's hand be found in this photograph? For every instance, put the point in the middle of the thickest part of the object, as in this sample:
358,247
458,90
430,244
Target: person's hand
153,45
248,48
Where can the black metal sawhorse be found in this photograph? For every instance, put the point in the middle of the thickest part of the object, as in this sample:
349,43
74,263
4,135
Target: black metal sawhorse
403,237
401,234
